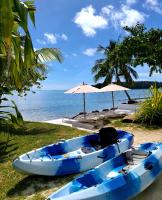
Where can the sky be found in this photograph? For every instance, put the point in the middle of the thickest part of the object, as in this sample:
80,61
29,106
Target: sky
78,27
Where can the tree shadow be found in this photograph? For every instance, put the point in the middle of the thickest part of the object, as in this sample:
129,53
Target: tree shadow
32,131
7,149
34,183
29,128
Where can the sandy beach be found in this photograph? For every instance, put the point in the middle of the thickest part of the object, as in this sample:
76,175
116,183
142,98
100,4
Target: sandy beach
141,135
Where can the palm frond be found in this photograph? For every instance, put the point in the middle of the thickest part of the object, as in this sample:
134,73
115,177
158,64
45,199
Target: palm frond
132,72
100,48
48,54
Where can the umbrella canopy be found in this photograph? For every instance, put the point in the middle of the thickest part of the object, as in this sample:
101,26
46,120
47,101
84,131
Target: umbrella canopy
82,89
112,88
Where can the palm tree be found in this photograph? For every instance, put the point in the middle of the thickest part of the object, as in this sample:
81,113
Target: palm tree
38,71
14,16
114,66
19,63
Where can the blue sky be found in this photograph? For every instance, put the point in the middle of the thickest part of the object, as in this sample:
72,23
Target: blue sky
77,27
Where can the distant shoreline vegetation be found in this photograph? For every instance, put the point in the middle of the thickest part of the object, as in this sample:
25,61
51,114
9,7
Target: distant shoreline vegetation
135,85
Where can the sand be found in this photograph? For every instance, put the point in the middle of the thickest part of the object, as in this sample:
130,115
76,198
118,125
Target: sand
142,135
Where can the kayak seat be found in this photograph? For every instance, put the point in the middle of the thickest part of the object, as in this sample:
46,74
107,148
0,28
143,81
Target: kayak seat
134,157
54,150
87,150
148,146
90,179
87,180
106,137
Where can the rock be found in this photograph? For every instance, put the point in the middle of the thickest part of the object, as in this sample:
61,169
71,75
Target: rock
129,119
95,111
105,110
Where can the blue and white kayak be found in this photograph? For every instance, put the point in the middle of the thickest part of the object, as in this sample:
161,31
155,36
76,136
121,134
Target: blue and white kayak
71,156
122,177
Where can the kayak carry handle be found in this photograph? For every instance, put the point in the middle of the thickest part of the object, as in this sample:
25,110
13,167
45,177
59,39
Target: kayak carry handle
29,157
79,157
50,157
149,166
16,158
61,140
101,156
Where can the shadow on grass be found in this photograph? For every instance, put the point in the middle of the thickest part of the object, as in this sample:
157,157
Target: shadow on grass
6,150
33,131
29,128
33,184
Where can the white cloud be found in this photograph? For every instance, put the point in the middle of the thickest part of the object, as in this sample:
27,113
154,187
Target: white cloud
90,52
125,16
89,22
154,5
35,49
64,37
107,10
152,2
51,38
42,42
74,54
130,2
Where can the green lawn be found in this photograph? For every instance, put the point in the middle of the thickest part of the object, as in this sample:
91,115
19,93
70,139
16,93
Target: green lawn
33,135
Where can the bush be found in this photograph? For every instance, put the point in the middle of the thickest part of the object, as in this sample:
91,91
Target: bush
150,112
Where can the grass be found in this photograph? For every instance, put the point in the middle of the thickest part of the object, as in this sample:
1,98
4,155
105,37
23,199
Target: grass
31,136
119,124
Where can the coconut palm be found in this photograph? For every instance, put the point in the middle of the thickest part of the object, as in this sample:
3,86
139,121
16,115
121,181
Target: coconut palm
14,16
21,66
19,63
114,66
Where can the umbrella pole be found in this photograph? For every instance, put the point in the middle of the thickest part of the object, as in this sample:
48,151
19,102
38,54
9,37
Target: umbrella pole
84,105
113,100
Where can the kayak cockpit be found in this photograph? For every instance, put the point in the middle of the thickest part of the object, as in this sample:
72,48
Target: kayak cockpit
129,173
77,147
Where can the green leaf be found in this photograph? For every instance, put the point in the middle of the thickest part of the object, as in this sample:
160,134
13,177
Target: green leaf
19,117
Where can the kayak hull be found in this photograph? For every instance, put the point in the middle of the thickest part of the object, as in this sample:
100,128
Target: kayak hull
71,160
96,184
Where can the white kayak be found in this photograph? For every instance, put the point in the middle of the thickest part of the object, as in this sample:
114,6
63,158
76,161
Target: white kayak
74,155
122,177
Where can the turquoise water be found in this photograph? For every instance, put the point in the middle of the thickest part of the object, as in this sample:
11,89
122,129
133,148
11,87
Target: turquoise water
46,105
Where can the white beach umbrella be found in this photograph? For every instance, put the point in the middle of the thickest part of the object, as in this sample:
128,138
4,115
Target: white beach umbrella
82,89
112,88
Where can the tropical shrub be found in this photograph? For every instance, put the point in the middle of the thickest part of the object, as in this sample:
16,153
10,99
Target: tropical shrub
150,112
9,113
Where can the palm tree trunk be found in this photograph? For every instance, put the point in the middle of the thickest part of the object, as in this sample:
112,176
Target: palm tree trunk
129,98
119,81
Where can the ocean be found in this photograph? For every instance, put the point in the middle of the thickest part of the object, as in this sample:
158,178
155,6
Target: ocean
53,104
